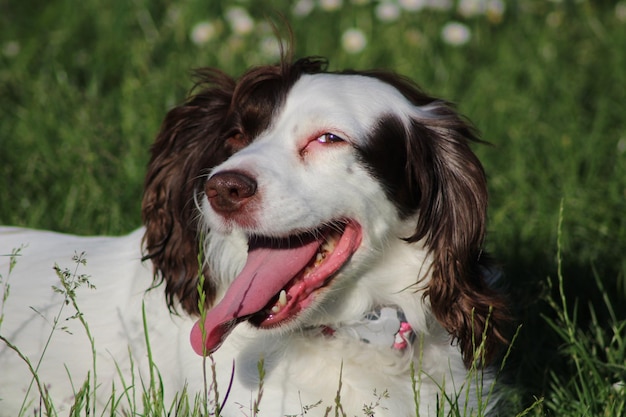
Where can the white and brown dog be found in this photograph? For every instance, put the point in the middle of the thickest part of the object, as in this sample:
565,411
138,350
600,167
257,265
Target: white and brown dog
339,220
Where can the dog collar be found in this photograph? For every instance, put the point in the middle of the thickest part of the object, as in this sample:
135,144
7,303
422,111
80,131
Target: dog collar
385,327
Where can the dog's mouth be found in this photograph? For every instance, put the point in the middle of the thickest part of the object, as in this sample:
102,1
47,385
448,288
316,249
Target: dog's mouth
281,278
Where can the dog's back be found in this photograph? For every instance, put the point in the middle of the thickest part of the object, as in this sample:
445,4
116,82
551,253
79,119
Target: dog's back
105,278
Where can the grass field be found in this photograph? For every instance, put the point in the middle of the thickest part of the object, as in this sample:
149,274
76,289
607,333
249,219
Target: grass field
84,86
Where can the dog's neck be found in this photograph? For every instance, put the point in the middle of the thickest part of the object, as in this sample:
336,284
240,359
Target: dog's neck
383,327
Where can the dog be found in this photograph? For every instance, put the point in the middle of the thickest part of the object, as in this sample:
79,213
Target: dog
311,241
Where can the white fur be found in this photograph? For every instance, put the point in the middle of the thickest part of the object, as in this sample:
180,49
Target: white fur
297,191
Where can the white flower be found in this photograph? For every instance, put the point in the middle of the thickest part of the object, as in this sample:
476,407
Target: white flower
330,5
495,10
412,5
455,33
270,47
353,41
554,19
414,37
240,21
470,8
202,32
441,5
11,49
387,11
620,11
302,8
172,16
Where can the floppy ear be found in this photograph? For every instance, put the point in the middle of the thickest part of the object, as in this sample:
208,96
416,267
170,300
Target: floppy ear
189,144
450,185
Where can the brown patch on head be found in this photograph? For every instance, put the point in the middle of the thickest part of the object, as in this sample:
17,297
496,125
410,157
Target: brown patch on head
428,169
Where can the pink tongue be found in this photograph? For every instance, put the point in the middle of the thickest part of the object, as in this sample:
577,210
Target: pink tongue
266,272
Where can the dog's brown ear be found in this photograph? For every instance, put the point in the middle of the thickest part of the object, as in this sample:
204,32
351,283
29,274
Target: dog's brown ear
450,184
188,145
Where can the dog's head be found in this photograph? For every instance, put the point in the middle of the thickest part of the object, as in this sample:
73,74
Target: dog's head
305,177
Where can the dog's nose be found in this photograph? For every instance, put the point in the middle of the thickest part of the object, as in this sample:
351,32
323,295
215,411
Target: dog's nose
228,191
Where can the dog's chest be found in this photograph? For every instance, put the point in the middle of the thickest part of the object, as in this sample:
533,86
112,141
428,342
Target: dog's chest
300,373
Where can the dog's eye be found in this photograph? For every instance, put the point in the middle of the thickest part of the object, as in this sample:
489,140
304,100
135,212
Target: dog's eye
329,138
322,141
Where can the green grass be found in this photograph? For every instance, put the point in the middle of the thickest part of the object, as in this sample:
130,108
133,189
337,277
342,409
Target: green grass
84,86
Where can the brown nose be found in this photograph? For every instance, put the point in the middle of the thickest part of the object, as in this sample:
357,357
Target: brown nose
228,191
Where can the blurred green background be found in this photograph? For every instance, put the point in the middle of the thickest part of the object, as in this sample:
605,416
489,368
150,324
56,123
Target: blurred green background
84,86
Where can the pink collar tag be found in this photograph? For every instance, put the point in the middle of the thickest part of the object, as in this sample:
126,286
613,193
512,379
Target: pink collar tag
385,327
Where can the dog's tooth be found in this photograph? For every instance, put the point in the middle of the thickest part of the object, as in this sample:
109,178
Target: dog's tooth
282,298
318,258
276,309
329,244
